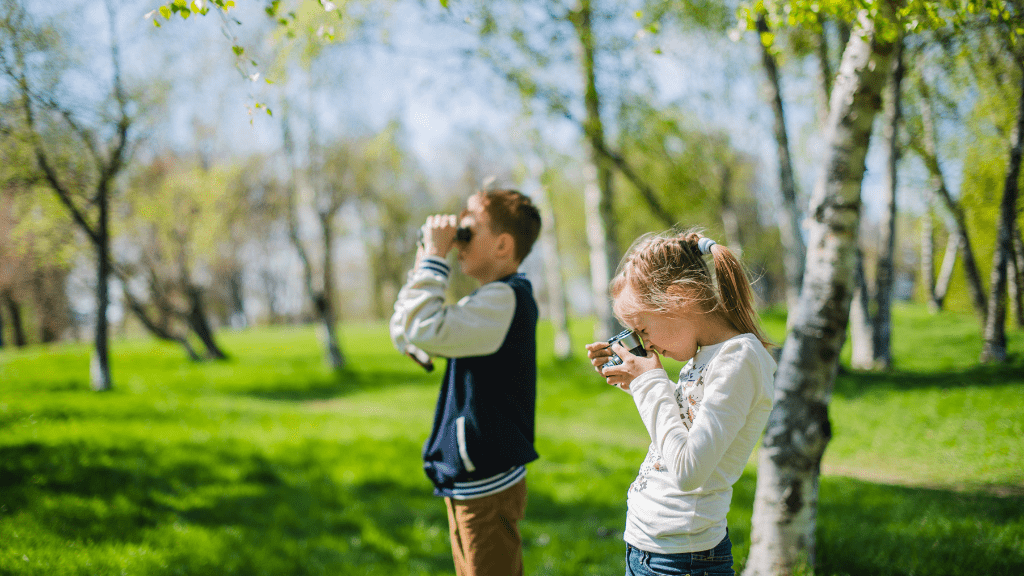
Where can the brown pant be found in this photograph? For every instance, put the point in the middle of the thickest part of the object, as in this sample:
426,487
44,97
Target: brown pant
485,533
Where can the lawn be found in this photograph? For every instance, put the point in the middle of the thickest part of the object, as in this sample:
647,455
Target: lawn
268,464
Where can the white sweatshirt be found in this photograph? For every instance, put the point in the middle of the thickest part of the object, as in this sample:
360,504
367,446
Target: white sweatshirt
703,430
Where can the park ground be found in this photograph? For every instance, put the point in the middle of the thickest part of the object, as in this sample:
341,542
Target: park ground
268,464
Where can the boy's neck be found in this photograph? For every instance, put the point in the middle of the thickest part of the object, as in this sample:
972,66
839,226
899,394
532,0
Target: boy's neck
498,272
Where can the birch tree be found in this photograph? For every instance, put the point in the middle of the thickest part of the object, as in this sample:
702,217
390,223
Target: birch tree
994,349
786,500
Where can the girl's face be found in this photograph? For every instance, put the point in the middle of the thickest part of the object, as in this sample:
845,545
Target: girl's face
672,334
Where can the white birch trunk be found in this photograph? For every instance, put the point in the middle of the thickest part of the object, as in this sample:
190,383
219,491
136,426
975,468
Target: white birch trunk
862,342
600,264
786,501
553,277
928,258
953,246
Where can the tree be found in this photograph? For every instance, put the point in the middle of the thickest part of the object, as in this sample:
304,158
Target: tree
789,220
79,156
1012,41
798,431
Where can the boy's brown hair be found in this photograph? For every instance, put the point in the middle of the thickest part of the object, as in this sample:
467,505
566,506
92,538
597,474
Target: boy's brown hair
514,213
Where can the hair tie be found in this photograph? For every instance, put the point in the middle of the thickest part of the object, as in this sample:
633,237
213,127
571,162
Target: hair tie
705,244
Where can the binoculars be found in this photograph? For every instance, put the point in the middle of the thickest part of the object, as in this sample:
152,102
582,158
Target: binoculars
462,234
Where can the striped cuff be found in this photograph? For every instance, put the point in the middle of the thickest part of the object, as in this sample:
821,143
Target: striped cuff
435,265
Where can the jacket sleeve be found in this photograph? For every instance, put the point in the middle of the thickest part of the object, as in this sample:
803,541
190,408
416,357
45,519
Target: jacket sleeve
730,390
475,326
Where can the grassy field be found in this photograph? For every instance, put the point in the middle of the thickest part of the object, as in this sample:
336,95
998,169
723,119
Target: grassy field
269,465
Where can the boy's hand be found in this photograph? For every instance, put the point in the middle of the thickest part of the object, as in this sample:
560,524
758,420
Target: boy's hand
439,234
621,376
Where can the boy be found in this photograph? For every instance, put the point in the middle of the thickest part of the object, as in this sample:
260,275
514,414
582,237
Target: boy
484,421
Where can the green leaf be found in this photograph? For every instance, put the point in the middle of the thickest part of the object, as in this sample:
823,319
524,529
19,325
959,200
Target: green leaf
165,12
238,50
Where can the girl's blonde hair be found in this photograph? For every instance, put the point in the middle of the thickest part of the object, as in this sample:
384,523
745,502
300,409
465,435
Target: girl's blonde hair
667,271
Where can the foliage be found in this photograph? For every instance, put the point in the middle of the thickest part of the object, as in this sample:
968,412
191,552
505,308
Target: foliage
269,464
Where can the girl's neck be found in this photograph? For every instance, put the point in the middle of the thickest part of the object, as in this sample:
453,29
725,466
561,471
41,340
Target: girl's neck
715,331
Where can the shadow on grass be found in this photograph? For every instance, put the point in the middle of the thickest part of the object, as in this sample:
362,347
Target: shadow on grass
340,384
318,507
866,528
852,384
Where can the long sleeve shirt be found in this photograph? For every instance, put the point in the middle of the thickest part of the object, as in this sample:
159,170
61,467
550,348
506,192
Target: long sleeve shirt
703,429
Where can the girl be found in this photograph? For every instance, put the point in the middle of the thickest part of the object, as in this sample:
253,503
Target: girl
704,427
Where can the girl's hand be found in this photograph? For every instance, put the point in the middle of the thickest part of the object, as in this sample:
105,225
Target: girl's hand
621,376
599,353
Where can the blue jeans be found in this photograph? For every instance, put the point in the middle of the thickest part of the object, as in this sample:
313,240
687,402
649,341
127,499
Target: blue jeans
716,561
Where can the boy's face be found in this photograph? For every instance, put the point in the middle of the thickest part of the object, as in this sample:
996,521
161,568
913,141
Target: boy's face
476,257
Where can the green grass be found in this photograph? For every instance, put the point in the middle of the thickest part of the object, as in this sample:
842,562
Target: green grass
269,465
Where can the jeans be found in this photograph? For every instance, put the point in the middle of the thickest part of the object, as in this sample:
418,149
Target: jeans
716,561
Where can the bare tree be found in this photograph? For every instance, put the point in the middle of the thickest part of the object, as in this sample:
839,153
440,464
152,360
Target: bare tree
86,184
994,349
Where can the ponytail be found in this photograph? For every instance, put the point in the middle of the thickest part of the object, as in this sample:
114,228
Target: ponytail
736,295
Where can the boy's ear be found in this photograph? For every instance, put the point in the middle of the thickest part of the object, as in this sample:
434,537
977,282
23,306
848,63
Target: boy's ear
506,245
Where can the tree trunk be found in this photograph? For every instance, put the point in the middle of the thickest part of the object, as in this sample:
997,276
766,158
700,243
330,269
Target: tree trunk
885,276
236,286
557,311
200,324
785,504
154,327
324,302
601,227
789,220
994,349
730,221
946,271
862,342
1018,267
99,366
929,154
17,327
824,72
928,258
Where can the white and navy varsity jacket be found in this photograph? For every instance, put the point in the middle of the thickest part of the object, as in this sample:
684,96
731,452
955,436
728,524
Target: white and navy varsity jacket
483,432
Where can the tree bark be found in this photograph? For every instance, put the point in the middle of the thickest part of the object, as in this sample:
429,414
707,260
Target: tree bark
953,246
885,276
789,220
785,504
928,152
200,324
99,364
557,309
1018,267
324,302
994,349
17,327
928,258
862,342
